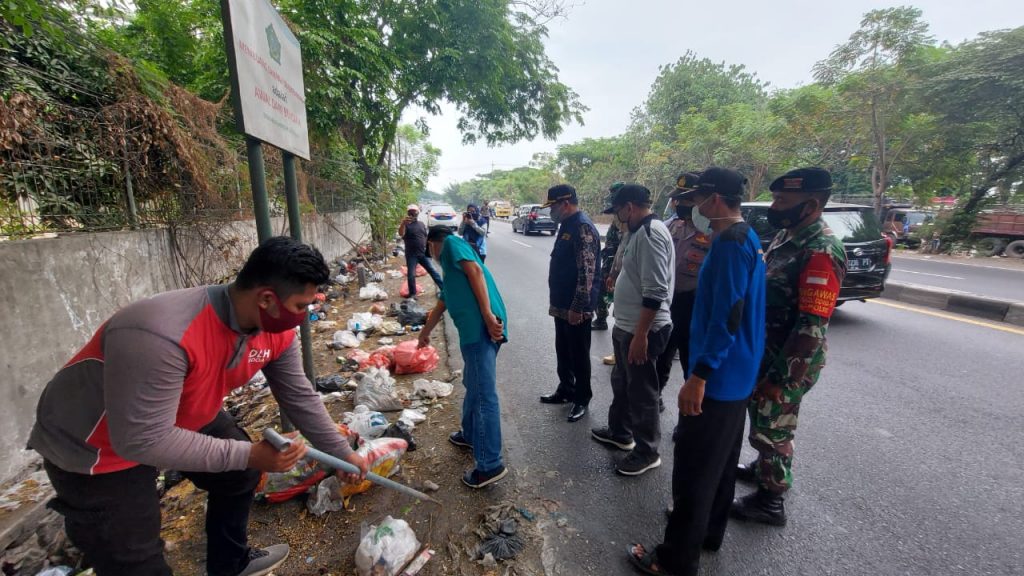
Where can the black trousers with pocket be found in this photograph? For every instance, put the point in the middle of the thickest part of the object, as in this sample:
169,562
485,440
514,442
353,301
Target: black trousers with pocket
703,482
572,354
114,519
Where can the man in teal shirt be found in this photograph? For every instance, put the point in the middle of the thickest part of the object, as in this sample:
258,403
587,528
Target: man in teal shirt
472,298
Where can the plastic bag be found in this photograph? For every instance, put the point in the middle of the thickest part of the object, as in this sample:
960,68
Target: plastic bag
420,271
431,389
281,486
382,457
364,321
391,327
411,313
403,290
369,424
372,292
348,339
382,357
412,417
376,390
57,571
358,356
325,497
386,548
378,308
402,429
409,359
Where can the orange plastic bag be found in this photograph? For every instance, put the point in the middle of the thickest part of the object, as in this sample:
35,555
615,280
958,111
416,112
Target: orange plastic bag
420,270
412,360
382,357
403,290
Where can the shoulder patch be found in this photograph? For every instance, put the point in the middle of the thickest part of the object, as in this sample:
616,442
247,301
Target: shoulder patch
818,286
566,236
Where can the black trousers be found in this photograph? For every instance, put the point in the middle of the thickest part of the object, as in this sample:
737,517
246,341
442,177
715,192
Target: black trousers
703,482
634,410
572,352
114,519
682,314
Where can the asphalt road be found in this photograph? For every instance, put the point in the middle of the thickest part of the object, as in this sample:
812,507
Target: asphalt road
975,277
909,459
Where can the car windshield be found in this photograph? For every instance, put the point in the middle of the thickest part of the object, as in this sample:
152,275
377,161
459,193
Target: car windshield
441,210
542,212
915,218
858,225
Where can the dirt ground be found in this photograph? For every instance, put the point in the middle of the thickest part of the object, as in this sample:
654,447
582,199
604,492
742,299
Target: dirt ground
326,545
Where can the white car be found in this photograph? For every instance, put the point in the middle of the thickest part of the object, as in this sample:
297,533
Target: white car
442,215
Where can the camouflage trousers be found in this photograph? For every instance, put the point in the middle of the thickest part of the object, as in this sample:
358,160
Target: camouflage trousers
772,426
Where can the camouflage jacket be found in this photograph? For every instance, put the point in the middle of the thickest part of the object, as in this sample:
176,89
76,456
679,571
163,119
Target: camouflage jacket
803,279
612,239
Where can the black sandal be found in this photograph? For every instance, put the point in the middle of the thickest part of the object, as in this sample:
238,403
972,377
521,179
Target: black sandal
647,562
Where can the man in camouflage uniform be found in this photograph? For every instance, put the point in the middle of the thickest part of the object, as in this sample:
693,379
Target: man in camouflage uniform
611,245
806,265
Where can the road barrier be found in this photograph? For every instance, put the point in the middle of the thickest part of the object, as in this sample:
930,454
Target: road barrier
957,302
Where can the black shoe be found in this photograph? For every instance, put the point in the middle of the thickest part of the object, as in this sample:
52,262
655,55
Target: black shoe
556,398
635,464
459,440
599,325
747,472
262,562
761,506
604,435
477,479
576,412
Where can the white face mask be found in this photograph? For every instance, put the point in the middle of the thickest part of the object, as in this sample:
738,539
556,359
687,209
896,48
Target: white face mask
700,221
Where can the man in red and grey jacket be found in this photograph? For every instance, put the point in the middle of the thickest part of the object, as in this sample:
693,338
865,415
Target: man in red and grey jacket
147,392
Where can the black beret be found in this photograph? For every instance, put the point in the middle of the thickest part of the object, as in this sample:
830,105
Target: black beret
803,180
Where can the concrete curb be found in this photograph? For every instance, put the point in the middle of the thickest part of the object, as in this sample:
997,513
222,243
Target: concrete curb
957,302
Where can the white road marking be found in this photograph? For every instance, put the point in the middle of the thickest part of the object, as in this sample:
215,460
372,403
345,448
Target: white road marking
970,264
919,310
522,243
928,274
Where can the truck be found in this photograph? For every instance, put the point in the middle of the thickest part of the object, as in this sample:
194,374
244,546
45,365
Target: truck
999,232
500,208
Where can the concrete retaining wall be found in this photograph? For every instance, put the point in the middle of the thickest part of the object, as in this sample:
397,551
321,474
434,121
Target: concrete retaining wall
957,302
56,291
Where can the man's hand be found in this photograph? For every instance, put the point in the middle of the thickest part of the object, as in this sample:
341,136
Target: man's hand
494,327
359,462
265,458
691,395
575,318
638,349
768,390
609,284
424,339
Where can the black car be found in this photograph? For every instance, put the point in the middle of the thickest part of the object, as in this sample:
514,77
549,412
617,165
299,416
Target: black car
868,251
531,218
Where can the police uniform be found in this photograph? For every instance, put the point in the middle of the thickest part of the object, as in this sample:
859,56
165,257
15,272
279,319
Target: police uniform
804,274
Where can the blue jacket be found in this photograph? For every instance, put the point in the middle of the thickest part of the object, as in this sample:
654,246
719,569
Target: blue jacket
727,331
574,275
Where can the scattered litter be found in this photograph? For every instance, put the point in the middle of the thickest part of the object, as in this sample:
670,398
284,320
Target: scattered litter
430,486
420,271
34,488
356,356
412,417
488,561
401,429
378,308
562,522
411,313
382,458
57,571
258,380
411,359
364,322
386,341
504,543
392,327
346,339
526,514
332,397
431,389
382,358
342,279
331,383
418,563
384,549
376,390
372,292
325,497
403,290
367,423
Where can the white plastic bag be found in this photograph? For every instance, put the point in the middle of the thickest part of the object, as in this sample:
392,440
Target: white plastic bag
376,390
367,423
325,497
365,321
372,292
412,417
348,339
384,549
431,389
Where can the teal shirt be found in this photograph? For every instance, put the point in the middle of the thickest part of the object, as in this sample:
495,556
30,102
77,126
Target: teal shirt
458,294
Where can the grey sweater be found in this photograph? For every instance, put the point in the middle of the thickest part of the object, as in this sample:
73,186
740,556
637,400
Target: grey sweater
647,278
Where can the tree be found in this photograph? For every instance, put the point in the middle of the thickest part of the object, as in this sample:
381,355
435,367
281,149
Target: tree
869,68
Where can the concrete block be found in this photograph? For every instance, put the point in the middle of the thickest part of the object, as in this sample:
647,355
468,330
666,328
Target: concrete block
977,306
925,297
1015,314
893,290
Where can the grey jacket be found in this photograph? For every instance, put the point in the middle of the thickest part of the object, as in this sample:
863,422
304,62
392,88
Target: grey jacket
647,277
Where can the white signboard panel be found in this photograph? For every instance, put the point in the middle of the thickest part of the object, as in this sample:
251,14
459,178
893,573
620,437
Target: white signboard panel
266,75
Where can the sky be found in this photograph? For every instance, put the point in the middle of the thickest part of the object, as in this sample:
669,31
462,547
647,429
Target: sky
609,52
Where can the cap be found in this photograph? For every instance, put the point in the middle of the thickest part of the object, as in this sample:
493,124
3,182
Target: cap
634,193
810,179
685,183
609,208
412,207
721,181
559,193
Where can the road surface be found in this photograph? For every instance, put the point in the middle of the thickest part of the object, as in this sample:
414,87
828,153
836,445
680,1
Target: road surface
976,276
909,458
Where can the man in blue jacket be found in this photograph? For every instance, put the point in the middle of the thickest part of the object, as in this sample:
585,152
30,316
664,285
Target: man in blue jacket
726,344
574,287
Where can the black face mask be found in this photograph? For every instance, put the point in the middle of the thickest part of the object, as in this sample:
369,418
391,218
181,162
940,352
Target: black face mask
684,212
784,219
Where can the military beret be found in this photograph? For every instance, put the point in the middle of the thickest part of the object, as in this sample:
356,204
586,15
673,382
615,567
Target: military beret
803,180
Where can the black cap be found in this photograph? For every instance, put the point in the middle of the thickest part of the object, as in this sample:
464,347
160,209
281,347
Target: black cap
634,193
685,183
609,208
559,193
721,181
811,179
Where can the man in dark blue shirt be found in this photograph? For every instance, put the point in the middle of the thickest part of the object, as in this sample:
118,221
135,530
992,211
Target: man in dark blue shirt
574,287
726,344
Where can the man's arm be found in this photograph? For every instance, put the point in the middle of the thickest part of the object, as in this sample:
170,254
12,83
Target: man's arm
731,276
586,247
432,319
143,376
478,284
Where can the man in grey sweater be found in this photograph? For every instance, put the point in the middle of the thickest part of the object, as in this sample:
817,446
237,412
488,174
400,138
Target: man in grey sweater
643,325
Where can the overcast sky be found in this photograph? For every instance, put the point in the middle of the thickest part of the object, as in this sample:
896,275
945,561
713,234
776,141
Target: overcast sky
609,52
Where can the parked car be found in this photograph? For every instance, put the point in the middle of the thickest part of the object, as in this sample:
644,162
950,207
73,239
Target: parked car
442,215
531,218
868,251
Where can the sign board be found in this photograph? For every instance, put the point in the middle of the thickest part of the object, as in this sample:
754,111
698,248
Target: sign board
266,75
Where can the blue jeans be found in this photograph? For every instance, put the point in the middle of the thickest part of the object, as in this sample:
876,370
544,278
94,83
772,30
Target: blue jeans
411,260
481,416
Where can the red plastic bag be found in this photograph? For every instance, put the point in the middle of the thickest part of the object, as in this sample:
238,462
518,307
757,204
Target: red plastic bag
280,486
420,270
403,290
382,357
412,360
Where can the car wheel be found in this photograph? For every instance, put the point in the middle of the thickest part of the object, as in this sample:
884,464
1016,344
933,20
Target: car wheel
991,246
1015,249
